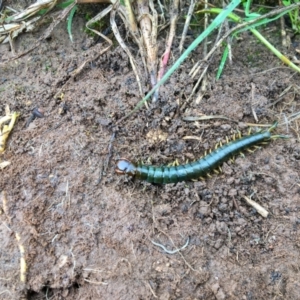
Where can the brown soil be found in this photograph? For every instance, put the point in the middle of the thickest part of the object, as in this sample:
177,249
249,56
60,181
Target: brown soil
88,233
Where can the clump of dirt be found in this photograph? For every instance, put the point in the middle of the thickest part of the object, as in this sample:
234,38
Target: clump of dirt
88,234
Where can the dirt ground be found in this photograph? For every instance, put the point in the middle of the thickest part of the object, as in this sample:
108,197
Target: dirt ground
88,233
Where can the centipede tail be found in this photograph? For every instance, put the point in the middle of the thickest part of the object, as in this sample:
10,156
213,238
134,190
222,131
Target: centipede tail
199,168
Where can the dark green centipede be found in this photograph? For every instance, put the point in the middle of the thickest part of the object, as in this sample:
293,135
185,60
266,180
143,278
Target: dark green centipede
199,168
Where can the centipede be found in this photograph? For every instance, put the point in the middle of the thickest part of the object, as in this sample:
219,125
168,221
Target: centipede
200,168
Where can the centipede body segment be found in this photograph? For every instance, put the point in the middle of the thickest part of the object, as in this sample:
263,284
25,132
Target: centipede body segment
199,168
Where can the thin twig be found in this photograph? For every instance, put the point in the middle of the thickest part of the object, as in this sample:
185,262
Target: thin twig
149,285
125,48
171,251
187,24
96,282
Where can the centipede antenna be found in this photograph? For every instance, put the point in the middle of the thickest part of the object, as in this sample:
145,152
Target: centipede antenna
279,136
273,126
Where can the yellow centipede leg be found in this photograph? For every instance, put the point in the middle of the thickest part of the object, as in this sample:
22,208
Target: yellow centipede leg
174,163
239,134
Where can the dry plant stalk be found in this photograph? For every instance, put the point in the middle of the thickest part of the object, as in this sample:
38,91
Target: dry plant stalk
46,34
166,55
263,212
187,24
5,131
148,25
23,266
125,48
13,25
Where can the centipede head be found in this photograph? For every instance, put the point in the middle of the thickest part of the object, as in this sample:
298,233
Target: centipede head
125,166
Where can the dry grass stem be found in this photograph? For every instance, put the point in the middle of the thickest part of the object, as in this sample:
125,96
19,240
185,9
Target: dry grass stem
125,48
23,266
149,285
12,26
6,129
46,34
166,55
187,24
148,25
96,282
262,211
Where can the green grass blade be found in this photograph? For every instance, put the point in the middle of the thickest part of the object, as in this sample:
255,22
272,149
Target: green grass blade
70,20
216,22
282,57
65,4
237,19
222,63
